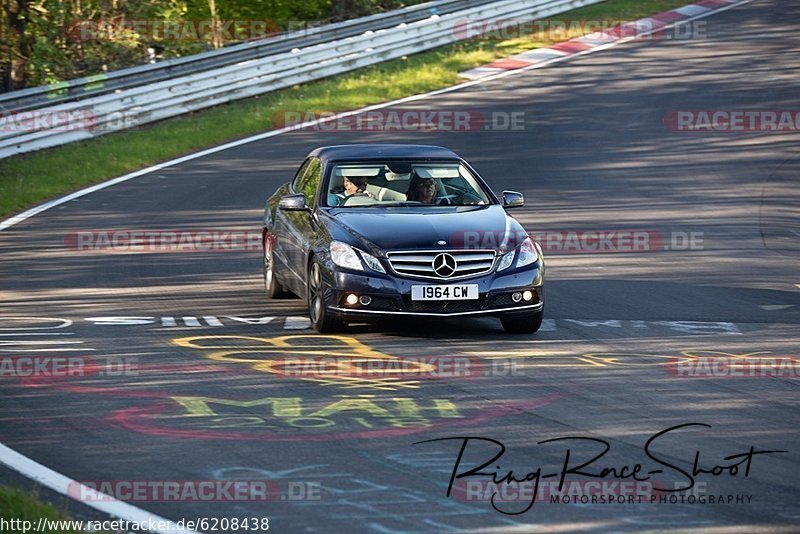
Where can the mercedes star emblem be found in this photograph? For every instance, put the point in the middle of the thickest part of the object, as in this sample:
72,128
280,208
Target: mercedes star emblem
444,265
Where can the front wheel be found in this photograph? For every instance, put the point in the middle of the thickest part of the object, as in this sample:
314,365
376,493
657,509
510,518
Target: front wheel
321,319
523,324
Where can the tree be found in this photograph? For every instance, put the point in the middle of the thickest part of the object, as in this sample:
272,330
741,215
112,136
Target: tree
15,43
50,41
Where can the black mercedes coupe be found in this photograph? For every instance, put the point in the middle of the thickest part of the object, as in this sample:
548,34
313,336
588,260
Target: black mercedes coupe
371,231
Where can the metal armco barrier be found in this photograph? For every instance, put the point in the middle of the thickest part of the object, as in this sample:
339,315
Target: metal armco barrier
205,80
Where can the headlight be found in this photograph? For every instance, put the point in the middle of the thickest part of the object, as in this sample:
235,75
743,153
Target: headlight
344,255
527,253
506,261
372,262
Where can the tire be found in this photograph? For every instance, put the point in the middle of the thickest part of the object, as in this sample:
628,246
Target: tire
321,319
523,324
272,287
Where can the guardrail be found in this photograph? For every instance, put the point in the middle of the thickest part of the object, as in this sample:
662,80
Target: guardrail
48,95
159,100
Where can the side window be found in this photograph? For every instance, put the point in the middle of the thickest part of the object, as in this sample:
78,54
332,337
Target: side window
299,175
307,180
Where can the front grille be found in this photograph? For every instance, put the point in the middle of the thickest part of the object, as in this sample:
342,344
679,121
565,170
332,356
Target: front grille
420,264
444,307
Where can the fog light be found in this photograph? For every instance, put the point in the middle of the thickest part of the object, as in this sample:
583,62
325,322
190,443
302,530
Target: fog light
351,299
527,295
516,297
365,300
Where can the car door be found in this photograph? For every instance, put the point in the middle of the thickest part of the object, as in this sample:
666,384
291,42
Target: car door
280,228
300,226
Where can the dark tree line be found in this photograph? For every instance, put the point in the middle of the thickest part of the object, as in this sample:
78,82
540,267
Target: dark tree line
49,41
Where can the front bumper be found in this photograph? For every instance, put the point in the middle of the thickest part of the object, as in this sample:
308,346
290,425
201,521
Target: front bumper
391,294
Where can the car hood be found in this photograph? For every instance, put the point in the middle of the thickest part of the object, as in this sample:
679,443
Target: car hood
404,228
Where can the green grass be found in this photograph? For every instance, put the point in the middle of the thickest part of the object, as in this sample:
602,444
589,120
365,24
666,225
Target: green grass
29,179
25,506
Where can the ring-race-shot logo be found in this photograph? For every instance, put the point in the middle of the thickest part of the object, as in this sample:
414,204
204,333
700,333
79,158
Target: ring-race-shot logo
586,492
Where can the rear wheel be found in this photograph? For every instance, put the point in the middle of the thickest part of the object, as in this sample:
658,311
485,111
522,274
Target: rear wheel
272,287
523,324
321,318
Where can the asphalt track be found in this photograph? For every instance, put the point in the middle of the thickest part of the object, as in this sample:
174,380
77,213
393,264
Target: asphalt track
594,155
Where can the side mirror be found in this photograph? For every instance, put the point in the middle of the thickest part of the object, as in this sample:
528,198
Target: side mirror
293,203
512,199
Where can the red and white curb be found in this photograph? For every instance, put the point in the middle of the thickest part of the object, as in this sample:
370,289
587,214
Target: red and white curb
581,45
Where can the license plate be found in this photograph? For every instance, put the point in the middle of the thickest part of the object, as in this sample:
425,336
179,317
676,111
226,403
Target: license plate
448,292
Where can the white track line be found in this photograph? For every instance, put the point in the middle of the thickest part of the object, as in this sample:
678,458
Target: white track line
122,510
62,484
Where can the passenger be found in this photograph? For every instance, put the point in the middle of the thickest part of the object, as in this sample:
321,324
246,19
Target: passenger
354,185
422,190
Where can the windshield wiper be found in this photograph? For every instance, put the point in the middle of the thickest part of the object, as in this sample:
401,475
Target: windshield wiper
399,203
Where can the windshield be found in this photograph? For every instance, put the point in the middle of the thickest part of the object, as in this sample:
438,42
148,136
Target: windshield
403,184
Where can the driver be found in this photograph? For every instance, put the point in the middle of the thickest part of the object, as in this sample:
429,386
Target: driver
422,190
